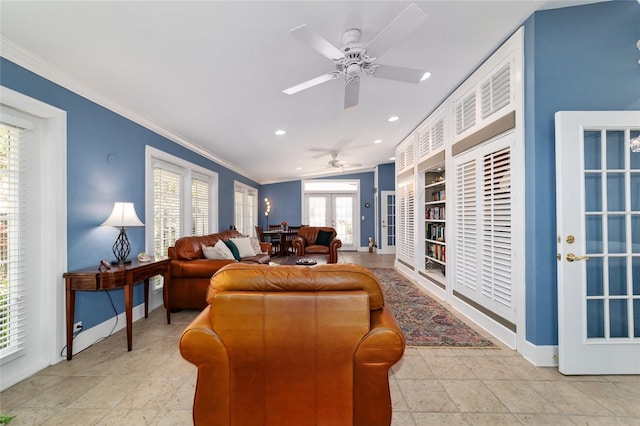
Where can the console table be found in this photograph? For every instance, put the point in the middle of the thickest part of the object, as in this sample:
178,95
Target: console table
118,276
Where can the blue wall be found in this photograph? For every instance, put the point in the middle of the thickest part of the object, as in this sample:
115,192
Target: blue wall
576,58
286,203
105,163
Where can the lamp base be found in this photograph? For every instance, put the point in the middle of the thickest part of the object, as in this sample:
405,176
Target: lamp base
124,262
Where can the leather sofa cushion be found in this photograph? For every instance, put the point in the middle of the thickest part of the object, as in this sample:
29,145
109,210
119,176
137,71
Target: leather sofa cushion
316,249
262,278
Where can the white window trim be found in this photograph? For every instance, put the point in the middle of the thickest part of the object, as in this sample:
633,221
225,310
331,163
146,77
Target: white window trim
53,242
189,171
246,190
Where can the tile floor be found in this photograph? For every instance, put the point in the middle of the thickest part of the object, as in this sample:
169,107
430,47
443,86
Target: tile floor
153,385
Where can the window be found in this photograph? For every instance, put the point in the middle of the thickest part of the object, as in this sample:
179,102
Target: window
245,208
12,286
181,200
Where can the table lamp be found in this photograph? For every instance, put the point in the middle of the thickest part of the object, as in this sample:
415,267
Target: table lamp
123,216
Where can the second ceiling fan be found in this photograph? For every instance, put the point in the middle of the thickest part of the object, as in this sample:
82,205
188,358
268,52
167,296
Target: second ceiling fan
355,58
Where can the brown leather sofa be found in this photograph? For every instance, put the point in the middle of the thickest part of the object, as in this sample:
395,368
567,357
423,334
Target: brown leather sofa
293,345
191,271
306,242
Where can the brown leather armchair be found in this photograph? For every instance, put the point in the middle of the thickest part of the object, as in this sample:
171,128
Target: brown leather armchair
293,345
307,242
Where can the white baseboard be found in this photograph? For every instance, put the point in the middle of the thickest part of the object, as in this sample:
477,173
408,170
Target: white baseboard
88,337
540,356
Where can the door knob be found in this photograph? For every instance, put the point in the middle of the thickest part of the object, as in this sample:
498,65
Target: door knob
573,258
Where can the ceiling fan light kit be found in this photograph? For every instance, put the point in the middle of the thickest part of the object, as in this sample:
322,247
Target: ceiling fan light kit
355,58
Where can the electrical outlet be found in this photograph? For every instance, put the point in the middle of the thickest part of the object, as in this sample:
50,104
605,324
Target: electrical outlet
77,326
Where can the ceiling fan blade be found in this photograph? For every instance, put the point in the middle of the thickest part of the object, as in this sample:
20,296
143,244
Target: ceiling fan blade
404,24
390,72
351,93
306,35
310,83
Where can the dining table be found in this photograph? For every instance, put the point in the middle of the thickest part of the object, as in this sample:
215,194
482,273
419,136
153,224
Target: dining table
285,236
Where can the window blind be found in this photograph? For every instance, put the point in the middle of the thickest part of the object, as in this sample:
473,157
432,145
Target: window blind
12,252
167,208
199,206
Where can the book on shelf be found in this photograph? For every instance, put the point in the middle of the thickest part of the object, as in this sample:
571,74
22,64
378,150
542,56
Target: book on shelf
435,213
438,195
435,231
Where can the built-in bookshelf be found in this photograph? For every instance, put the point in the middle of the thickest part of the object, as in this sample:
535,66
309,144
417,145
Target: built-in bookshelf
435,205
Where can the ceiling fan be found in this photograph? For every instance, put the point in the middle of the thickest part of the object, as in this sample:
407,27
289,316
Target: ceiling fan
334,163
355,58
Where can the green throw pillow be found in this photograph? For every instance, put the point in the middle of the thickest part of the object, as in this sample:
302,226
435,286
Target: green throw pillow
324,238
234,249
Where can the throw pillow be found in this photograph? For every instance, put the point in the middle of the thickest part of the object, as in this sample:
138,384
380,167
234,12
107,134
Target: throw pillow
324,238
255,245
218,251
244,246
234,249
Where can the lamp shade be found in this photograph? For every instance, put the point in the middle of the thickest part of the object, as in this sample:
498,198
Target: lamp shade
123,216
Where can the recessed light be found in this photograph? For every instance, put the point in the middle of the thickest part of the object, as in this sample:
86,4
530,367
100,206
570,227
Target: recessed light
394,118
378,141
392,158
425,76
280,132
298,168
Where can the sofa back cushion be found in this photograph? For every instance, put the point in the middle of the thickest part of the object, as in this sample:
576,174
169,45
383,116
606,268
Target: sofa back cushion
310,233
189,248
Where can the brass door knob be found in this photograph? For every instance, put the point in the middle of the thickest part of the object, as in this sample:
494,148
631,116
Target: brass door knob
573,258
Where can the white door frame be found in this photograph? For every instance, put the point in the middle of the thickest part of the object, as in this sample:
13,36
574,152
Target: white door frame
578,353
53,240
383,247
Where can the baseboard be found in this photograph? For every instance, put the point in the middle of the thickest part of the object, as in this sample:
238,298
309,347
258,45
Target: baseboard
540,356
88,337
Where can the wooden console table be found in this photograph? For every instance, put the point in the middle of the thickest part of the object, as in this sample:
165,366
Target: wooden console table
126,276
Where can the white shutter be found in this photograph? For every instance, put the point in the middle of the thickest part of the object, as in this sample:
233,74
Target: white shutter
466,225
424,142
483,264
406,222
167,208
12,250
199,206
496,228
495,92
465,110
437,135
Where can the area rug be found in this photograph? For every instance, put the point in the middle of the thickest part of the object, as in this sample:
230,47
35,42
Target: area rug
424,321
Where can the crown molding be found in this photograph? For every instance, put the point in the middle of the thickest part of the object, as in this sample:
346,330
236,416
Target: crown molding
26,59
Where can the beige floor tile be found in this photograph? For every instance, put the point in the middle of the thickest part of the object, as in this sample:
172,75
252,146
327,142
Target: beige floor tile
106,394
489,367
426,395
473,396
412,367
449,368
619,401
397,401
429,419
77,416
604,421
479,419
402,418
120,417
174,417
545,420
63,393
152,392
30,416
568,399
519,397
25,390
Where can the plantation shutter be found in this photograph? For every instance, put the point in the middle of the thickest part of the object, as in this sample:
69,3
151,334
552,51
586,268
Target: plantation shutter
167,210
483,265
466,210
199,206
406,221
495,92
12,251
496,229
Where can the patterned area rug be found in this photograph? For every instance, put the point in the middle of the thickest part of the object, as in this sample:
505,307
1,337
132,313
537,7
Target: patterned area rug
423,320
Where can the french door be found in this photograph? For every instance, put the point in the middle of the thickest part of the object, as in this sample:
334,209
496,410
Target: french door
334,210
598,223
387,243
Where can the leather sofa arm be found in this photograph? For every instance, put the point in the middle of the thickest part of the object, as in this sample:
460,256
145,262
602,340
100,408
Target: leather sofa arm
201,346
334,245
266,247
382,347
299,244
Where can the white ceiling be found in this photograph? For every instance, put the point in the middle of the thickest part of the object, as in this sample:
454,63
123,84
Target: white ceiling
211,73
